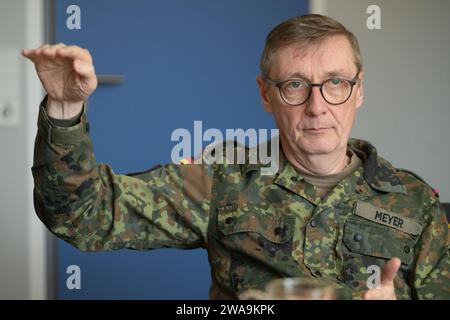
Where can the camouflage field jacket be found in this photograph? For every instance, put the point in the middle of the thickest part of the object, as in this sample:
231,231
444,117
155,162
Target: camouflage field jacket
255,227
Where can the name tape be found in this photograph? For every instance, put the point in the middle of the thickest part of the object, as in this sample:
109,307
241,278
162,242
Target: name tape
387,218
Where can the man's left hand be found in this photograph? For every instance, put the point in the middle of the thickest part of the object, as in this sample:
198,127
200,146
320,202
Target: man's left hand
386,291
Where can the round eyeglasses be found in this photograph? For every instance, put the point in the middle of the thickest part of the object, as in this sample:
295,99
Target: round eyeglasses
297,91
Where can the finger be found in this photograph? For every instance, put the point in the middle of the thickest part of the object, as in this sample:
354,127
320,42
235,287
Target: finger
379,294
27,53
33,53
369,295
383,293
390,271
74,53
50,51
45,49
39,50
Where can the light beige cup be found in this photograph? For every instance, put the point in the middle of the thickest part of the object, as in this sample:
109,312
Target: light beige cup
292,289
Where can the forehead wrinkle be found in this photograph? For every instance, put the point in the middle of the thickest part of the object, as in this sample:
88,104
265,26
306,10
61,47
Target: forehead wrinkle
314,52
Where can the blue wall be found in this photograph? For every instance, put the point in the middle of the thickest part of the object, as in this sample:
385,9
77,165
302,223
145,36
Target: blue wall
183,60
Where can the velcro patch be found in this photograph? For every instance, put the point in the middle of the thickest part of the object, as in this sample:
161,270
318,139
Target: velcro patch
387,218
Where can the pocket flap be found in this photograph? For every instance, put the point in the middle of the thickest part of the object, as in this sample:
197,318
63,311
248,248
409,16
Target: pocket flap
276,228
372,239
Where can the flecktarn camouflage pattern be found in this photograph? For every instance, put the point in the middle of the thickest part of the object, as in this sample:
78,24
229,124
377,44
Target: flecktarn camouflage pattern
255,227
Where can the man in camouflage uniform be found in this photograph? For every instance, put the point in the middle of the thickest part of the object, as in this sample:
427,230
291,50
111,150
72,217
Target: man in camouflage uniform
333,210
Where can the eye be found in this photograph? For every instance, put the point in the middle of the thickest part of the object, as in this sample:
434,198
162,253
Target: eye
335,81
296,84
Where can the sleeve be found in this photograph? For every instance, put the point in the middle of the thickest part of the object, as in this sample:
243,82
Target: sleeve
94,209
430,276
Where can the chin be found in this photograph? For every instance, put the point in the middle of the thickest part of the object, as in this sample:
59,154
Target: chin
317,147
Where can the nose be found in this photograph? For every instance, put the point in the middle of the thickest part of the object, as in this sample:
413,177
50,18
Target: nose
316,104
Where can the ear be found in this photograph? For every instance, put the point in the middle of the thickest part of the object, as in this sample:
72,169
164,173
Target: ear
360,90
264,93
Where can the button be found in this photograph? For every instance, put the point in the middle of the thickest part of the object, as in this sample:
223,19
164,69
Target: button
348,270
279,230
272,252
313,223
294,178
355,284
358,237
407,249
318,273
229,220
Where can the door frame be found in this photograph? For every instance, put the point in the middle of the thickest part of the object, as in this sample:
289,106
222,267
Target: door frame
42,260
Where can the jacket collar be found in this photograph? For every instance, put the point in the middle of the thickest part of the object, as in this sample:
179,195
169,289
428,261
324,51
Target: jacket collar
377,172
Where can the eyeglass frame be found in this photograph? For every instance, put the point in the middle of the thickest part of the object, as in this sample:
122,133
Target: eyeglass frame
278,84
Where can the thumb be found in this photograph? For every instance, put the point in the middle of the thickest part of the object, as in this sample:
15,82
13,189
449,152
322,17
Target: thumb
83,68
390,271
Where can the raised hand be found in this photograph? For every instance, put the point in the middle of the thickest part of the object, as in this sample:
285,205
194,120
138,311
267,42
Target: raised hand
67,74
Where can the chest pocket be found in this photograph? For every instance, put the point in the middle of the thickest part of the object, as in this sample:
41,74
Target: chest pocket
256,222
259,244
367,238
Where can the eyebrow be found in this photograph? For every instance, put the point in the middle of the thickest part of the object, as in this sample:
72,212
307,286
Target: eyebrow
331,73
334,73
296,75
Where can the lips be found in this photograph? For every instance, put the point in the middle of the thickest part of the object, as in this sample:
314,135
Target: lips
313,129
